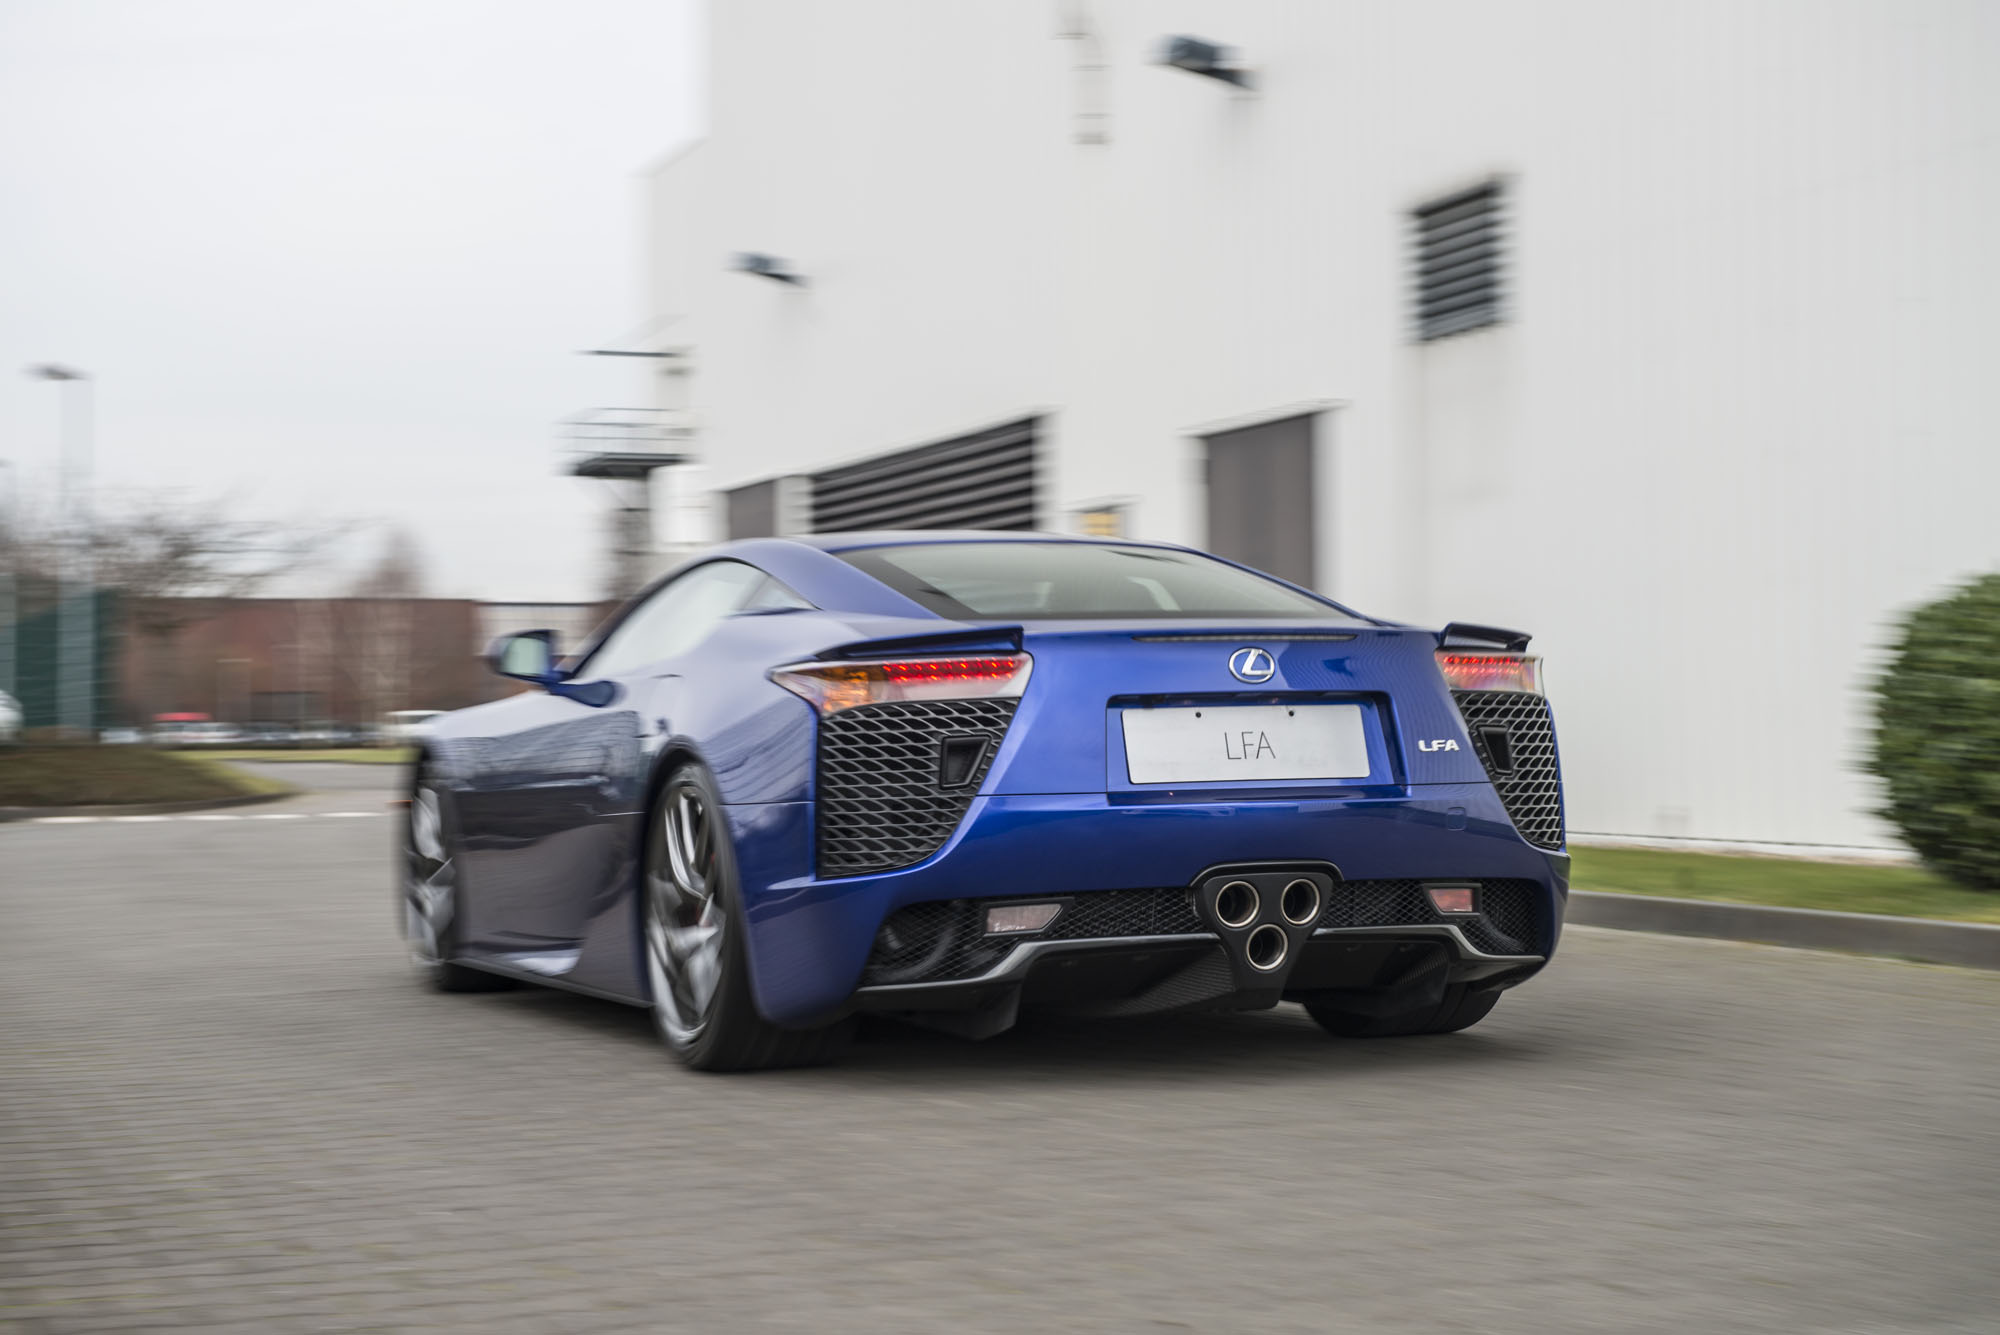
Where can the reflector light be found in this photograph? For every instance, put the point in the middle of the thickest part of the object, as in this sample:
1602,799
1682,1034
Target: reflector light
1007,919
1451,898
832,687
1490,672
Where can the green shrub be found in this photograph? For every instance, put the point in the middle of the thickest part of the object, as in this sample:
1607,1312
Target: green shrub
1937,734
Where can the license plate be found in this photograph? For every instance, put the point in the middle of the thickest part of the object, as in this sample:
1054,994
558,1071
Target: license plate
1210,745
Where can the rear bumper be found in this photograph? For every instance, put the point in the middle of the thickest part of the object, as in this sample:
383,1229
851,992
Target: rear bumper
1138,975
809,939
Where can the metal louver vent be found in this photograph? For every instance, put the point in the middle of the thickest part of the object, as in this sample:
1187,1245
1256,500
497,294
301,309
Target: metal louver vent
1458,255
985,480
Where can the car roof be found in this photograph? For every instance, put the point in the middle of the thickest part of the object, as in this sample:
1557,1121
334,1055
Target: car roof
890,537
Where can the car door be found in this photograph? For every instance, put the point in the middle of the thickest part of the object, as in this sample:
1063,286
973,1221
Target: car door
548,827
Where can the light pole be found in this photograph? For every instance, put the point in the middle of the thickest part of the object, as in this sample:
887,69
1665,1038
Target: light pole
76,606
10,598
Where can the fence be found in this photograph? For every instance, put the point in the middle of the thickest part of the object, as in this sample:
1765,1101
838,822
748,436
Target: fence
32,620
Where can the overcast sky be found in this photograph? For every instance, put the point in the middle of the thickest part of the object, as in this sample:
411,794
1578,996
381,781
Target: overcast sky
336,259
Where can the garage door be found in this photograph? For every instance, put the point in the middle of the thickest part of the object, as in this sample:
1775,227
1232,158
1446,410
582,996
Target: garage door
985,480
1260,497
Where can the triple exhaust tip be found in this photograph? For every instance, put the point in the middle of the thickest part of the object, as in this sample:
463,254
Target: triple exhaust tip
1266,947
1237,905
1300,902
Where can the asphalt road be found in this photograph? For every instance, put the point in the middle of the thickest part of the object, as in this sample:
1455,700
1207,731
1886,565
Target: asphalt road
224,1104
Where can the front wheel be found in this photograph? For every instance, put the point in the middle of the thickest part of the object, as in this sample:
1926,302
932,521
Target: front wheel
430,894
1459,1008
691,919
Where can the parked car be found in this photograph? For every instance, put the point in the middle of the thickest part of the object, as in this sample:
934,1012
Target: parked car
10,718
196,732
402,726
951,776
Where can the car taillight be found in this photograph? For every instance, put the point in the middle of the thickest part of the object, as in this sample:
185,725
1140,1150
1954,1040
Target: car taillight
832,687
1490,672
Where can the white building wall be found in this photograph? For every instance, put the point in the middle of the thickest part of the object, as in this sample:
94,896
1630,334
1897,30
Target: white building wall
1737,419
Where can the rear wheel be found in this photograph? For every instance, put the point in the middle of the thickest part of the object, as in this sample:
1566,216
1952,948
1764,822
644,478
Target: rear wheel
430,894
691,916
1459,1008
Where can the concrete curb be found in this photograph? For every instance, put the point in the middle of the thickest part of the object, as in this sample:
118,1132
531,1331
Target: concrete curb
1935,941
146,808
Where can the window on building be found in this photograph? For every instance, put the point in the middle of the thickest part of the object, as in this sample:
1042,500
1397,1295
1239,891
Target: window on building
1102,521
1458,260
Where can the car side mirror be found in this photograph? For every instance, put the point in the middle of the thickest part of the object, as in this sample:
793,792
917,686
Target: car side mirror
527,656
531,656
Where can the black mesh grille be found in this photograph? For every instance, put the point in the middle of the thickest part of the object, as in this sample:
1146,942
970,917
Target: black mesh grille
935,942
1532,790
942,941
879,805
1507,910
1506,923
1126,913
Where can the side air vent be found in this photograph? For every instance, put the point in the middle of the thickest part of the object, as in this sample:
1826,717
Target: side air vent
1497,750
895,779
1523,764
960,758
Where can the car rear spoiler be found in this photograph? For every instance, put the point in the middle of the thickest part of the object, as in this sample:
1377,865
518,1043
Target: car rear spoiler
1464,635
984,639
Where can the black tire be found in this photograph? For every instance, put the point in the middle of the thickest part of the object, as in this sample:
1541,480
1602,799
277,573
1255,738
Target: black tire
691,930
1459,1008
429,893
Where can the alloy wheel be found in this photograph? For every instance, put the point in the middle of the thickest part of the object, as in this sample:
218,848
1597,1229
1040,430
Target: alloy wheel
685,921
430,897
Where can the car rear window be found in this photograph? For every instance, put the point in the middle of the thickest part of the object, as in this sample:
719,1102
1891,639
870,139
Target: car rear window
982,580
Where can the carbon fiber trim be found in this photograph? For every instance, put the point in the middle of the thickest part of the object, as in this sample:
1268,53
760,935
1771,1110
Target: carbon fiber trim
944,940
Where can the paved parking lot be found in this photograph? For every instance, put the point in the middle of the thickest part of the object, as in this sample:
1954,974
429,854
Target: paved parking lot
226,1105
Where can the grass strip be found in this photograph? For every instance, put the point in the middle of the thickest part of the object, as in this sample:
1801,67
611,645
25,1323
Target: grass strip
88,776
1905,892
352,755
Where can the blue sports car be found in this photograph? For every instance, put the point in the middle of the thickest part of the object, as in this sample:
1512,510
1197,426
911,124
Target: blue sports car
948,776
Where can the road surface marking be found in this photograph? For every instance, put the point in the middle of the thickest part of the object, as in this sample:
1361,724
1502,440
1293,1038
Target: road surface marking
200,815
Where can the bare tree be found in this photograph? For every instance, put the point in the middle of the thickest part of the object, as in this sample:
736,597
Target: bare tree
397,573
171,559
167,554
376,653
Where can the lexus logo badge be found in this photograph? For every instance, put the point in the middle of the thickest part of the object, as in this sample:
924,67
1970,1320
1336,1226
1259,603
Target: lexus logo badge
1252,665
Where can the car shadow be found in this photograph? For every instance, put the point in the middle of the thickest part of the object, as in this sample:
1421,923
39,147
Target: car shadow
1269,1045
1265,1045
